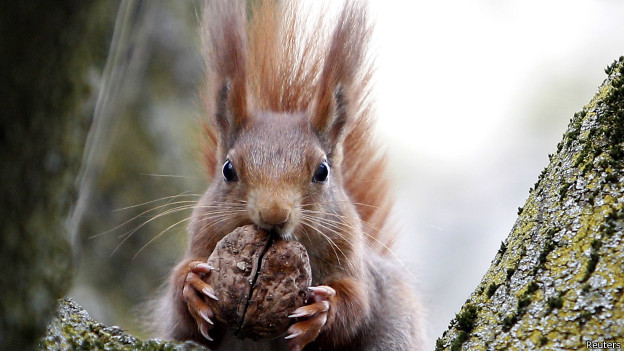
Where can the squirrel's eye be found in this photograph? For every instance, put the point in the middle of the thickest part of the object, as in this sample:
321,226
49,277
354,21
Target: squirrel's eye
229,174
321,173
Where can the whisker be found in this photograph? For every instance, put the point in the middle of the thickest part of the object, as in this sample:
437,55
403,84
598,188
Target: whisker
159,235
221,215
377,229
238,205
329,240
336,229
216,212
306,233
220,207
223,219
313,225
184,194
144,213
340,226
208,215
371,237
224,212
129,233
168,175
340,201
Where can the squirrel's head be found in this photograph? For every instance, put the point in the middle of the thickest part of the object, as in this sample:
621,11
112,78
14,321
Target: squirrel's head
280,171
285,94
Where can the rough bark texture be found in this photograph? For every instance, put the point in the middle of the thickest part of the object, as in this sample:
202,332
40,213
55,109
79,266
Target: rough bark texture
557,281
73,329
48,50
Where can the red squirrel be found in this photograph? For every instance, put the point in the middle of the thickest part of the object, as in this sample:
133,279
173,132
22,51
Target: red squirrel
289,148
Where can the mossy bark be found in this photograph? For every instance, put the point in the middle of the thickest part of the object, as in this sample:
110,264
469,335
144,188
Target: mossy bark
73,329
48,50
557,281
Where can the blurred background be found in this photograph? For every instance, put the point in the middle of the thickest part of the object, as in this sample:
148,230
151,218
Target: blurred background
472,97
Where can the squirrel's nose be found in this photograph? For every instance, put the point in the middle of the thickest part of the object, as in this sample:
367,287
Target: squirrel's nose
274,214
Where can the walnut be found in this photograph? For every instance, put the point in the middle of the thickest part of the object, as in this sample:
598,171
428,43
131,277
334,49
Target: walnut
259,280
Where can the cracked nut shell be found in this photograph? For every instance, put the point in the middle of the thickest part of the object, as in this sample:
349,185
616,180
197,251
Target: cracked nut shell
259,281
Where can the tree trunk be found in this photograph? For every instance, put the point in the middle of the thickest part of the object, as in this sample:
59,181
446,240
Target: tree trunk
557,282
50,52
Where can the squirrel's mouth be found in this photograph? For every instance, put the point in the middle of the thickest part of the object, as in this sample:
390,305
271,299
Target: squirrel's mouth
283,232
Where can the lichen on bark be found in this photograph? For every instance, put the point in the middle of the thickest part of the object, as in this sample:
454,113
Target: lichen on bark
557,282
73,329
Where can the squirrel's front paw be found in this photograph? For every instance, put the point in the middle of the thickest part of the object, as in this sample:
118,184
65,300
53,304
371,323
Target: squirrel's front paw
195,291
314,314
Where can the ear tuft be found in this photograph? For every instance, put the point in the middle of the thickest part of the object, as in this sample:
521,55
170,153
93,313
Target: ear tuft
223,117
337,128
331,126
229,116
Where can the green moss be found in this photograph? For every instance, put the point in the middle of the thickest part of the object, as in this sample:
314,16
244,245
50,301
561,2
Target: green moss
466,318
73,329
575,127
549,246
540,178
543,340
531,288
439,344
612,178
594,256
581,156
563,191
523,302
509,321
614,66
464,322
462,336
584,317
510,272
523,251
491,289
554,303
502,248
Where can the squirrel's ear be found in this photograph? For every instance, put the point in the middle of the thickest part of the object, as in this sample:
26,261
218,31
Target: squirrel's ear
231,113
330,122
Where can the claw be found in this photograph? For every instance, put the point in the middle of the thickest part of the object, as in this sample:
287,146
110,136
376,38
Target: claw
204,267
210,293
205,316
323,292
203,329
297,315
194,293
319,290
292,336
311,310
314,317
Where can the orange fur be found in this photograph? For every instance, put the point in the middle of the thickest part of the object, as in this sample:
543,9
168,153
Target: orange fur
275,63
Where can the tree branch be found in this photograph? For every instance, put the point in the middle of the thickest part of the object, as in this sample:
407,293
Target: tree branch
557,282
